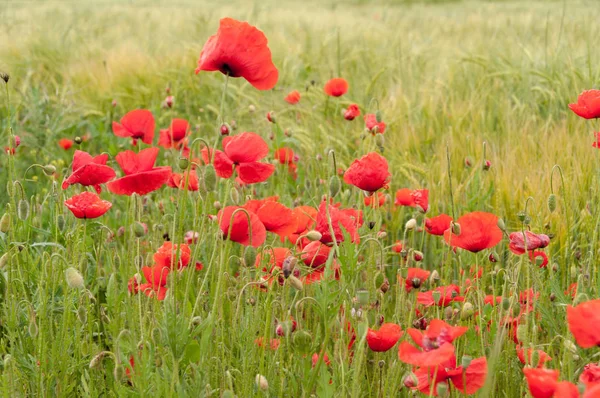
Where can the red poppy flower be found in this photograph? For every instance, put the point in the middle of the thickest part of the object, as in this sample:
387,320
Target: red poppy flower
191,237
272,346
87,205
239,50
534,241
242,153
336,87
137,124
467,381
315,359
240,231
156,277
492,300
438,225
275,258
397,247
316,275
12,150
436,344
447,295
535,255
89,171
478,231
169,255
369,173
590,375
175,135
413,198
293,97
385,338
352,112
542,357
65,143
315,254
565,389
277,218
584,323
306,217
254,205
588,104
542,382
341,220
141,176
591,392
415,278
187,180
286,156
371,122
596,144
375,201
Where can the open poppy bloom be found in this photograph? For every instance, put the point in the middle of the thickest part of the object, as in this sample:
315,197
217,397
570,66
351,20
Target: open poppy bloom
293,97
435,345
542,357
348,220
137,124
534,241
418,198
385,338
241,153
277,218
584,323
141,177
236,227
466,380
369,173
415,278
590,375
156,277
478,231
65,143
87,205
336,87
315,254
375,201
239,50
352,112
187,180
447,295
274,257
175,135
89,171
306,217
373,125
438,225
543,383
588,105
170,255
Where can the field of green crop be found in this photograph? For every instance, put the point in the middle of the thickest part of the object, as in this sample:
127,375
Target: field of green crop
475,99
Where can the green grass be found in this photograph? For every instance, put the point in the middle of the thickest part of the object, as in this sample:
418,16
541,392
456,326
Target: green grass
446,76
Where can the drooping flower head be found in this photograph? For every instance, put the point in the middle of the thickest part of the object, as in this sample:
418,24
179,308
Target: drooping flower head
352,112
478,231
141,177
137,124
87,205
369,173
534,241
239,50
336,87
373,125
89,171
588,105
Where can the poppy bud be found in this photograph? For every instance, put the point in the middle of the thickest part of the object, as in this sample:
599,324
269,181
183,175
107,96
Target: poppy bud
10,189
410,224
486,165
552,203
468,162
5,223
271,117
97,360
535,358
442,389
385,286
570,346
288,265
380,234
466,361
210,178
363,296
493,257
82,314
119,372
49,169
410,380
139,229
417,256
261,382
60,222
573,272
552,297
522,333
234,195
295,282
436,295
114,103
334,185
314,235
251,108
380,141
249,256
23,209
467,311
434,277
455,228
74,278
78,140
4,260
224,129
501,225
183,163
5,77
521,216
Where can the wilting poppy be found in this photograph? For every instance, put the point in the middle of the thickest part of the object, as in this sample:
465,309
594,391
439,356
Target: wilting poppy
156,277
352,112
478,231
373,125
418,198
242,153
175,135
534,241
542,357
141,176
539,257
239,50
87,205
588,104
466,380
347,220
65,143
415,278
241,231
584,323
438,225
170,255
369,173
435,343
385,338
447,295
293,97
336,87
376,200
137,124
89,171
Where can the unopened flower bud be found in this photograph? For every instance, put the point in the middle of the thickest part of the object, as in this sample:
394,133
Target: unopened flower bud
97,360
385,286
224,129
261,382
82,314
5,223
295,282
467,311
493,257
410,224
486,165
314,235
140,229
74,278
522,333
363,296
434,277
417,256
234,195
552,203
455,228
184,163
251,108
442,389
468,162
249,256
23,209
210,177
334,185
288,265
570,346
49,169
33,328
410,380
436,295
466,361
271,117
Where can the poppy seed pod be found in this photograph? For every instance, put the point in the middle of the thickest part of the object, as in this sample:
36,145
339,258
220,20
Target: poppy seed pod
552,203
466,361
334,185
5,223
74,278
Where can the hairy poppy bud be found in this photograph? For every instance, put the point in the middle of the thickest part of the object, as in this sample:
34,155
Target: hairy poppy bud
261,382
5,223
314,235
522,333
417,256
466,361
552,203
97,360
74,278
234,195
501,225
210,178
288,265
467,311
410,380
119,372
249,256
363,296
334,185
49,169
4,260
385,286
570,346
271,117
494,257
468,162
442,389
410,224
486,165
23,209
82,314
139,229
380,142
455,228
183,163
434,277
295,282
